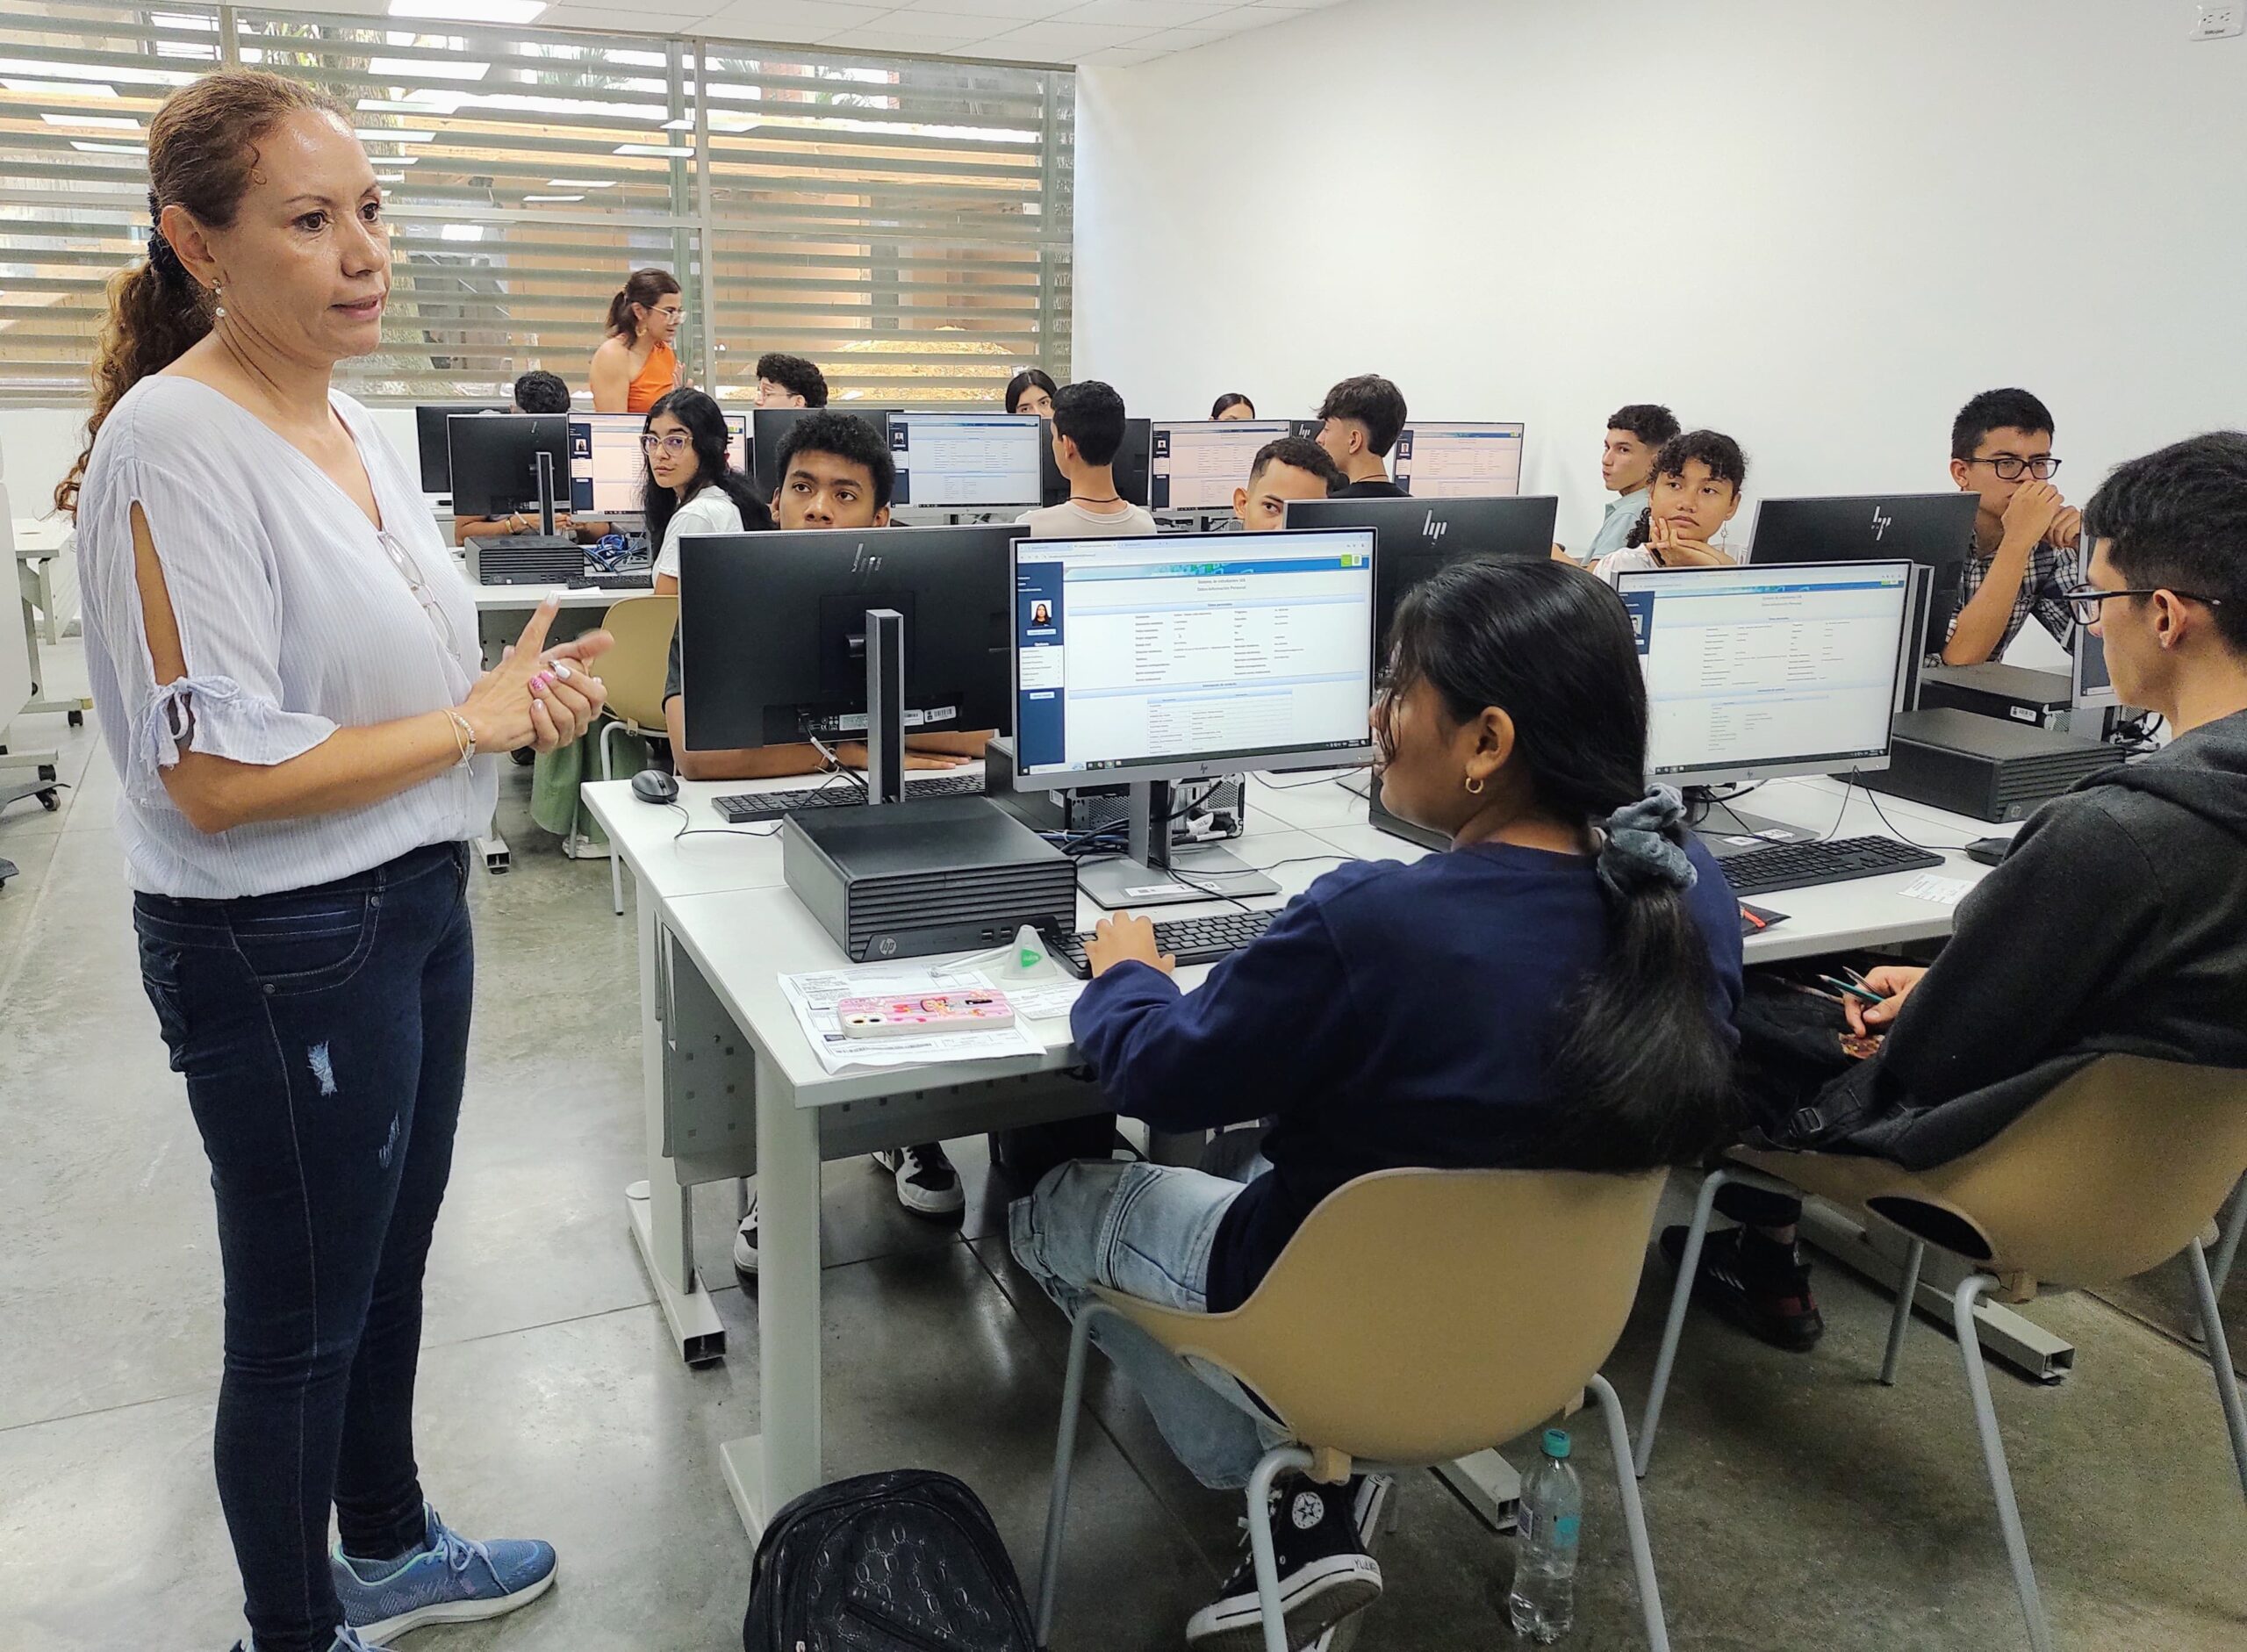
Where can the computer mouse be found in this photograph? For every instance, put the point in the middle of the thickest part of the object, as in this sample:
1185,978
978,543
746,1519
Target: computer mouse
654,785
1988,850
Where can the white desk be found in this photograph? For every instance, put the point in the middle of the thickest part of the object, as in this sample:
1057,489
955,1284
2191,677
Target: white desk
41,543
732,1087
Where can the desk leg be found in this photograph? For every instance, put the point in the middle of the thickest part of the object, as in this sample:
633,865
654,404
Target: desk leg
1488,1484
782,1461
663,1222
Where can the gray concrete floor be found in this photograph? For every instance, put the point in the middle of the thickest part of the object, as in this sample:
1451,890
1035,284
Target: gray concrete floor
1794,1504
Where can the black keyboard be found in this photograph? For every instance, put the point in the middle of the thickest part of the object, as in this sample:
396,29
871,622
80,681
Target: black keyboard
641,581
1188,940
756,806
1833,860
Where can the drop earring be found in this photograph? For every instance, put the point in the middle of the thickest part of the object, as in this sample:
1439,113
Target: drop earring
218,302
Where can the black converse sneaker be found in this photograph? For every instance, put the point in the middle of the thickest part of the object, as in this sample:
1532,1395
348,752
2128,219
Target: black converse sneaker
927,1185
1326,1573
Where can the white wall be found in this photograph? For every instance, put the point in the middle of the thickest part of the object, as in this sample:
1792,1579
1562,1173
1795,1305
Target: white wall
1819,228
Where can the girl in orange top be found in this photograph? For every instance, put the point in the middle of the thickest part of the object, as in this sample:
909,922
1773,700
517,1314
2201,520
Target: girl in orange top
635,366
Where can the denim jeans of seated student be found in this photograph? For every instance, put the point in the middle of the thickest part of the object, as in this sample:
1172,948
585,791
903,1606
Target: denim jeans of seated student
323,1033
1147,1231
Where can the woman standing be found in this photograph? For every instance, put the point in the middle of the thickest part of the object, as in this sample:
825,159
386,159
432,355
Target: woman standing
691,487
636,365
286,671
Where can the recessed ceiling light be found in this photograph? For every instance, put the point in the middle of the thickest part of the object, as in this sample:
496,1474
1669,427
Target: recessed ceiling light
109,148
653,148
469,10
552,197
581,183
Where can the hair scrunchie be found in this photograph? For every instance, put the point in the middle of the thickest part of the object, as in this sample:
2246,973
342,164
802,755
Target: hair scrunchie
161,258
1636,849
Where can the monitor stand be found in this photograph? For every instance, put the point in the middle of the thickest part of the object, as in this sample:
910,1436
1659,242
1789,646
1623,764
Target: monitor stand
1154,873
885,645
1725,831
542,465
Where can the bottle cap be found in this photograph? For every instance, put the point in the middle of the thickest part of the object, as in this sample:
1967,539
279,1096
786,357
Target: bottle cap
1556,1442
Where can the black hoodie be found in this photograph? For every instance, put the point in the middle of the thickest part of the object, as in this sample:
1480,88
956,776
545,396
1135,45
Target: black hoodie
2116,923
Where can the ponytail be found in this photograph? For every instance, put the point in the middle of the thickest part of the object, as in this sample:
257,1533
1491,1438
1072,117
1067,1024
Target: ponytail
201,153
641,287
1644,1069
1639,530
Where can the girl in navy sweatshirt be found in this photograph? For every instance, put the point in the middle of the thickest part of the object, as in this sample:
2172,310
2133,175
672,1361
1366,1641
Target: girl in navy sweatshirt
1555,991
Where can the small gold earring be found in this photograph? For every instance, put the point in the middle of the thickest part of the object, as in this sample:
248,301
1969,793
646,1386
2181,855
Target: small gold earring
1473,786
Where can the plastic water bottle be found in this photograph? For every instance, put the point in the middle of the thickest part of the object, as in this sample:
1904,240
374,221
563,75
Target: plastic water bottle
1543,1600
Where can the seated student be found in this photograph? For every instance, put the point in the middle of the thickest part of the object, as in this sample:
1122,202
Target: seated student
2025,553
1359,423
1031,391
1291,468
1635,433
1088,432
1231,405
789,381
2117,921
691,486
1556,991
534,392
836,472
1697,481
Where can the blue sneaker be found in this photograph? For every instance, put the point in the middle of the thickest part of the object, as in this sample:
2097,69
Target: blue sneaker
448,1580
347,1640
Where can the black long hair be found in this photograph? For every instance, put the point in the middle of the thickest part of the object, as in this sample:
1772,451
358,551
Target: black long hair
1643,1074
1712,447
1021,383
706,427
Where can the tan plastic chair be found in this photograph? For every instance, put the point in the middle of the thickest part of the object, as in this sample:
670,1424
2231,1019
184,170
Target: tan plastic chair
634,669
2120,1166
1417,1315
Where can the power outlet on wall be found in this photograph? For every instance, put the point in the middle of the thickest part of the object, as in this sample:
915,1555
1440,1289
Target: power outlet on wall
2220,23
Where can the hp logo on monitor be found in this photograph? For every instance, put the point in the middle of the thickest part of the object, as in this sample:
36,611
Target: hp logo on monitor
1434,530
1879,523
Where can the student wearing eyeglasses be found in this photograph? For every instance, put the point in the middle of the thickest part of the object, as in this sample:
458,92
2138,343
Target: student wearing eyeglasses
2116,923
691,488
2024,556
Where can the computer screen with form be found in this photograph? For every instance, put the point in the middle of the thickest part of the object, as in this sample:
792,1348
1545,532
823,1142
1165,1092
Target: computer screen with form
1175,658
1196,466
608,470
1761,671
966,461
1458,461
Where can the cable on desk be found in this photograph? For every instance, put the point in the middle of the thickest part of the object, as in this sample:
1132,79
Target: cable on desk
1873,798
1297,786
688,829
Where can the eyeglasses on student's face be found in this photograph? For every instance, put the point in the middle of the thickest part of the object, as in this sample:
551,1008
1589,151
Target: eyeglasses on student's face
2087,601
2011,469
674,444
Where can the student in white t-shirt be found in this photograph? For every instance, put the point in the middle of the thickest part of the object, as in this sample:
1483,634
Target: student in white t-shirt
1698,478
691,488
1088,431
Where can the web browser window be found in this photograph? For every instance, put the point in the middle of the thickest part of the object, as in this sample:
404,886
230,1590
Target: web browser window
1196,466
966,460
1458,461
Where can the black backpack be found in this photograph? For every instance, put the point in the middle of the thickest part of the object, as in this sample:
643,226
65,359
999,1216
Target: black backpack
904,1561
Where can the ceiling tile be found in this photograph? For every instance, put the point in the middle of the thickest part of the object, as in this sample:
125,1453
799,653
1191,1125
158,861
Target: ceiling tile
1149,14
791,20
1016,10
1060,41
941,25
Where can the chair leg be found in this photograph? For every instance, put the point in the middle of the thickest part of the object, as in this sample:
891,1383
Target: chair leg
2228,1247
1680,1297
1065,1451
1907,1289
2226,1380
1985,1422
615,859
1273,1463
1634,1518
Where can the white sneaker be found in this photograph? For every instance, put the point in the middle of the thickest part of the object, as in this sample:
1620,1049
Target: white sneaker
745,1239
927,1185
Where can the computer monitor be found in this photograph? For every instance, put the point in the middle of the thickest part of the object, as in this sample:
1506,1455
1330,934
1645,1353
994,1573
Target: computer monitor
2091,685
1130,465
1935,530
1457,460
430,436
607,470
772,629
494,460
1413,538
1146,661
966,461
1195,465
1757,672
774,423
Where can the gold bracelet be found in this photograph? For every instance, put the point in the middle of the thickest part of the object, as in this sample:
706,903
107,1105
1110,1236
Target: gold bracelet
463,739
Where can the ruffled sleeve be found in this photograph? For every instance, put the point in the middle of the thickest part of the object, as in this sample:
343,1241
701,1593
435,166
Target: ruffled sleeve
226,601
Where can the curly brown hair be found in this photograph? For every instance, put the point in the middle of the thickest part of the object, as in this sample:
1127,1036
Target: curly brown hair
202,151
